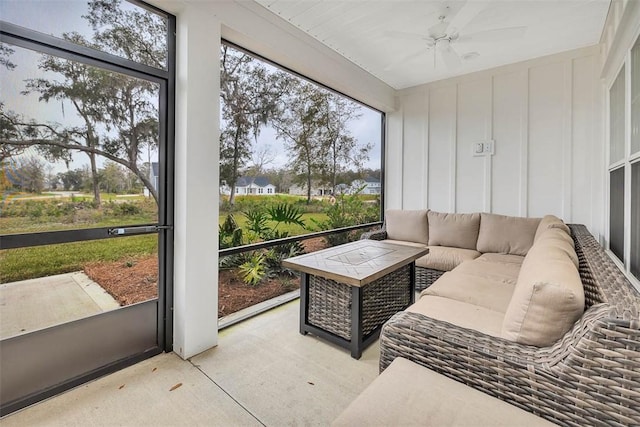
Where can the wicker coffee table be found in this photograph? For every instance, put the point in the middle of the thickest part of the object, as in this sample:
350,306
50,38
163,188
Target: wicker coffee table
347,292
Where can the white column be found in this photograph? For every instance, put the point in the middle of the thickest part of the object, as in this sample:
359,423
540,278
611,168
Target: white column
196,187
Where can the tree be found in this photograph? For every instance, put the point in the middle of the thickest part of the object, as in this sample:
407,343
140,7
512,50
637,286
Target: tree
129,33
5,53
119,113
281,178
72,180
249,95
84,87
6,130
299,123
112,178
260,159
27,173
132,184
50,179
341,149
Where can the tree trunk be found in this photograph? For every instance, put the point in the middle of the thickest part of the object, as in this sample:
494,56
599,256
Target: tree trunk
147,182
232,196
94,179
234,173
333,176
308,186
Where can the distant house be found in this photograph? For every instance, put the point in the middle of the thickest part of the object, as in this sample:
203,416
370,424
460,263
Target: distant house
343,189
316,189
258,185
371,185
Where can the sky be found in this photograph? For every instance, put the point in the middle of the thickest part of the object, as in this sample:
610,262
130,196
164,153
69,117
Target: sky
54,17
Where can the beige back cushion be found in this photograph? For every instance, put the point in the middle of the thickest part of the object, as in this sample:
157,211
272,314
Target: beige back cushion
548,297
506,234
548,222
558,238
407,225
454,230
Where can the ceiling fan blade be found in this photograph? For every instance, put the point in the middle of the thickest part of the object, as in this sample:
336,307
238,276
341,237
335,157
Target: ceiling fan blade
405,58
405,36
498,34
438,30
467,12
449,56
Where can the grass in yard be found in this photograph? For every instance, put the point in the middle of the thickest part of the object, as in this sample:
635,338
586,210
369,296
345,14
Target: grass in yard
13,225
52,214
41,261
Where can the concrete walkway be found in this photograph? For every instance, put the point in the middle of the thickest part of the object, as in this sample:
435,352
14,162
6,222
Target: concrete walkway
34,304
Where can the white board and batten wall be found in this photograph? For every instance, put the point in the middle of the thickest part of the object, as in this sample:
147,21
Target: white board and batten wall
545,118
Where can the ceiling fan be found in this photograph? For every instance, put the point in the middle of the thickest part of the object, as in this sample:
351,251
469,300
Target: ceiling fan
447,32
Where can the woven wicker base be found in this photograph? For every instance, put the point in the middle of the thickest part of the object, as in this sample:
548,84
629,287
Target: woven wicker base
425,277
330,302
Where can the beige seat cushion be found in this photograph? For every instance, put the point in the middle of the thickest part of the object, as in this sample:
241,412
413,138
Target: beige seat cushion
550,221
502,258
453,230
548,297
473,289
407,225
506,272
446,259
407,394
506,234
459,313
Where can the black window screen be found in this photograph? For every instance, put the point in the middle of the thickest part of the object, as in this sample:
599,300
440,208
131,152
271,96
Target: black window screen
616,220
635,220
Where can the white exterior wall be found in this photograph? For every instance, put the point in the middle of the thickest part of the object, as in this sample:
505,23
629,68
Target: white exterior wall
545,116
200,26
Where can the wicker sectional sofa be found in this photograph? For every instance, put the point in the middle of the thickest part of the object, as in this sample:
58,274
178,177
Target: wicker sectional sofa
568,352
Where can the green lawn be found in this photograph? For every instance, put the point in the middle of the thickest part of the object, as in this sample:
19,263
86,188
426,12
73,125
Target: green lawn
41,261
29,225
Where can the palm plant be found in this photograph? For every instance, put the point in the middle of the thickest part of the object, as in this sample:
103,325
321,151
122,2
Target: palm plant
262,224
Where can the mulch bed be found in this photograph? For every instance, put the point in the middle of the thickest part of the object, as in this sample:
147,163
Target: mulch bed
134,280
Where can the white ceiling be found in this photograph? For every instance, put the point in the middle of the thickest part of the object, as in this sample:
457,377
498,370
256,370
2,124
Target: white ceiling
366,32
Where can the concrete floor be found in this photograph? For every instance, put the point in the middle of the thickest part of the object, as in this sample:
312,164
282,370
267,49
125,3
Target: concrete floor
263,372
30,305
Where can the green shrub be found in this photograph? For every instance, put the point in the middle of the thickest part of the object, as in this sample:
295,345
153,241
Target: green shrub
253,270
123,208
250,202
348,210
261,224
229,233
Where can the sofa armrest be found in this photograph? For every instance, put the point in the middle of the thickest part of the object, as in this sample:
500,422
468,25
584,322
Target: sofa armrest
563,383
435,343
380,234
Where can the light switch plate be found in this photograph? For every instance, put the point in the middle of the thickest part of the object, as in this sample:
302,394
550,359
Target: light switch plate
489,147
483,148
